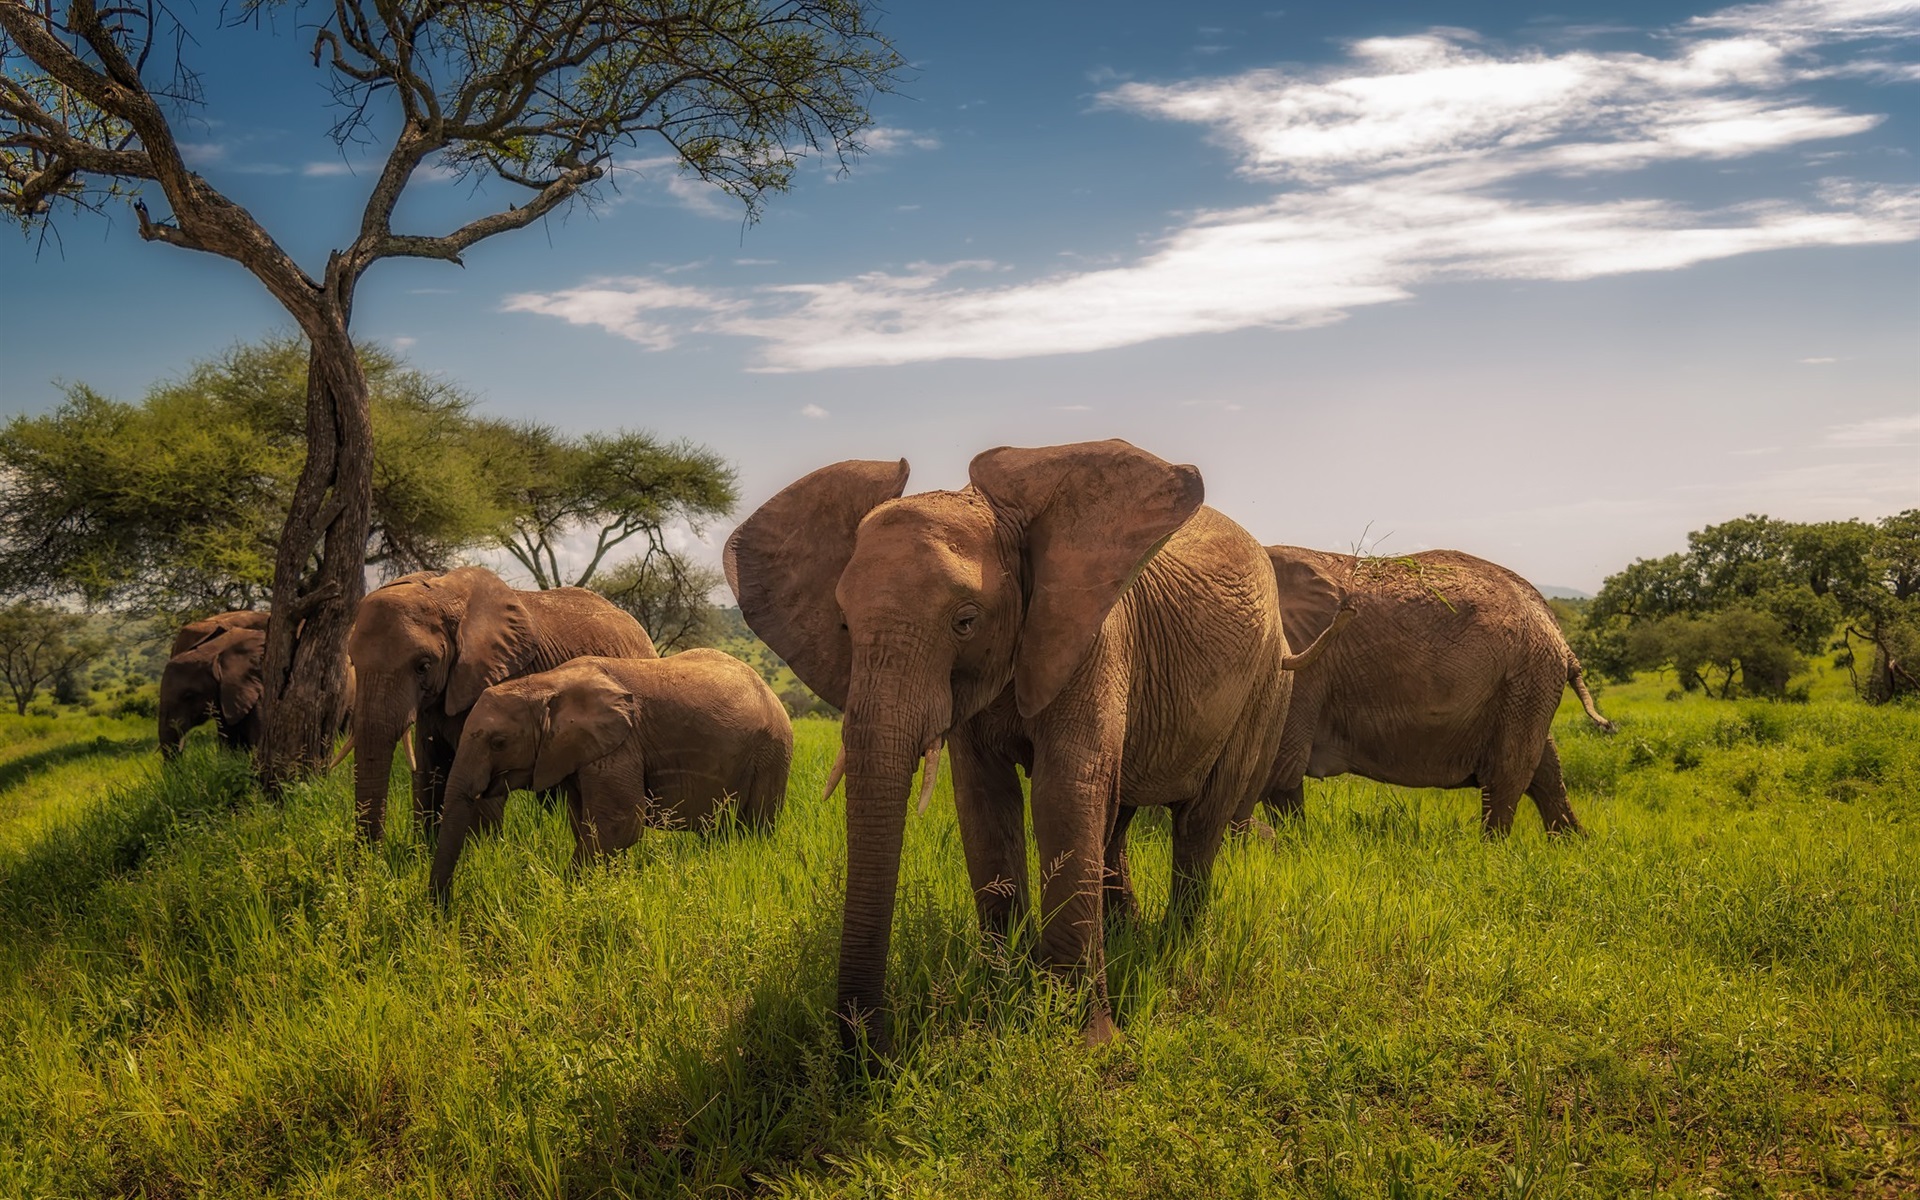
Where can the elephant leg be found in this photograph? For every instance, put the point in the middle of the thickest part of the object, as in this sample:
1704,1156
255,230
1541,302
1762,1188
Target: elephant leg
1549,792
607,800
586,831
1286,792
1497,806
766,792
1512,758
993,830
1288,803
1238,779
433,759
1197,835
1076,788
1121,906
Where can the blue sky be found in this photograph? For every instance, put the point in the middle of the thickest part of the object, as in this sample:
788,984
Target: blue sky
1554,288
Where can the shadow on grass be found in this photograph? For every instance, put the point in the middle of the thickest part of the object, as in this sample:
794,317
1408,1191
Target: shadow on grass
17,771
62,871
770,1095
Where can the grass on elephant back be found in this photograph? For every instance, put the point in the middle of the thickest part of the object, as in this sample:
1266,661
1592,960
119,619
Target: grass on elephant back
1718,991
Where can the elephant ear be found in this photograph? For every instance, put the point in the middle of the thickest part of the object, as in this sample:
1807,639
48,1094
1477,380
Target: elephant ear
785,560
195,633
236,667
1309,594
1095,514
495,639
588,716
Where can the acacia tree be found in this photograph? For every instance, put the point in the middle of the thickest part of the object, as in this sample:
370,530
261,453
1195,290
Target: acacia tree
39,645
90,511
538,94
556,491
670,597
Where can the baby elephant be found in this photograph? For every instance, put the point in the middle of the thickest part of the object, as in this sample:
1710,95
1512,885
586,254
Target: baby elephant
630,742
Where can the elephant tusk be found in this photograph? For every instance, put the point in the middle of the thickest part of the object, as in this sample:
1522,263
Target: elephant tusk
838,772
406,739
930,773
346,748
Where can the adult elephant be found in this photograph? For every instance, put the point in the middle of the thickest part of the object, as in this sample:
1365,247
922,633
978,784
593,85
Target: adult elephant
1074,611
216,676
1447,676
425,646
194,632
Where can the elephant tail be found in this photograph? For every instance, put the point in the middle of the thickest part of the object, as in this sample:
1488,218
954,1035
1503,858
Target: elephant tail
1577,676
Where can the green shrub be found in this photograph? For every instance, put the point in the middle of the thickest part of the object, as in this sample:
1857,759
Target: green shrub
143,701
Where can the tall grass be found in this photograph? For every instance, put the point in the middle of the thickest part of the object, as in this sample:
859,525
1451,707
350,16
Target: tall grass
1717,992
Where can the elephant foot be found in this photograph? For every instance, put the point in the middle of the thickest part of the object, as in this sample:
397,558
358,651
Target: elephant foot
865,1036
1100,1029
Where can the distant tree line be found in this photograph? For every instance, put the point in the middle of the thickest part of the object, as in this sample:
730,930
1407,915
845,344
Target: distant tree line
171,506
1741,610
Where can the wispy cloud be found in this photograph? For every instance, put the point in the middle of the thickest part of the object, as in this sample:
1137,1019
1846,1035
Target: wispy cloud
663,176
815,412
891,139
327,168
631,308
1817,362
1881,431
1415,161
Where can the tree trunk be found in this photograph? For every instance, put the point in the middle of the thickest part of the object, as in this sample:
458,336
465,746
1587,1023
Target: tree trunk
319,573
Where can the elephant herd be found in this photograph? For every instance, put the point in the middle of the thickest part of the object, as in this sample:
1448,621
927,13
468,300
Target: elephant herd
1075,614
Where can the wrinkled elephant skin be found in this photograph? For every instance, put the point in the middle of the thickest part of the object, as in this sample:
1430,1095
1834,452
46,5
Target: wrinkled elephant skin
1447,675
425,646
216,677
1074,611
668,742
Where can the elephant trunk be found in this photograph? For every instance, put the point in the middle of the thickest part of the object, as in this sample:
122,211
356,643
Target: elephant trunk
456,819
172,734
374,737
884,741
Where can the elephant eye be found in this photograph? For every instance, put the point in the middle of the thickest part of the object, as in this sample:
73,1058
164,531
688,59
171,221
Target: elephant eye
964,619
421,666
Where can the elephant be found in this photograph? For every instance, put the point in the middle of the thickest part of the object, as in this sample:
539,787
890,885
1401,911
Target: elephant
216,676
424,648
194,632
1074,611
667,742
1448,676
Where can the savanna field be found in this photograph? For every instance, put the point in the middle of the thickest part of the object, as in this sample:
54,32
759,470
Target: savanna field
1717,992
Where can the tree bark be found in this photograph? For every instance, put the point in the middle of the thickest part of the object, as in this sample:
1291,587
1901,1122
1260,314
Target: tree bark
319,573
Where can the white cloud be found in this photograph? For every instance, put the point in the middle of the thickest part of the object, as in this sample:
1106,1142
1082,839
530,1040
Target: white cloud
664,173
1818,362
1402,167
403,343
630,308
815,412
326,168
1881,431
890,139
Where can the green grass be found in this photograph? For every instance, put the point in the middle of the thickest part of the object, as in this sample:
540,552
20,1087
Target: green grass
1716,993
